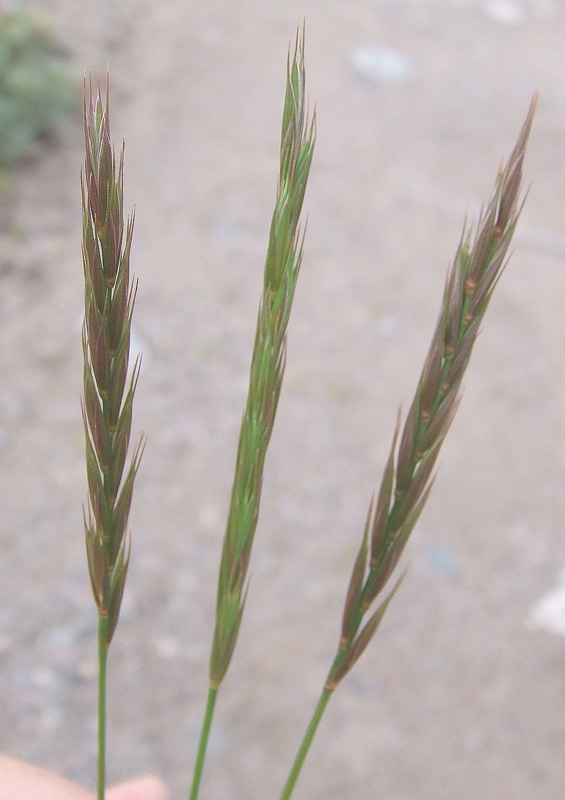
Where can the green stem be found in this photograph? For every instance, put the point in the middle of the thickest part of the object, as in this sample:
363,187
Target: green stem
102,660
203,743
305,746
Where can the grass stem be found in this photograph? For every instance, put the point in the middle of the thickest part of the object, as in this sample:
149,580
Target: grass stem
203,743
102,662
305,744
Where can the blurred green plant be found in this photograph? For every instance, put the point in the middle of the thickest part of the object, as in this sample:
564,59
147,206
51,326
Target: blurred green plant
37,86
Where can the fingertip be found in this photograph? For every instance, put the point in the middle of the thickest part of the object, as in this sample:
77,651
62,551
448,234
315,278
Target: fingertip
147,787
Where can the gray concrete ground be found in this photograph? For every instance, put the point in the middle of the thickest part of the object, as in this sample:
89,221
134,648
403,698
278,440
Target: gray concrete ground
462,693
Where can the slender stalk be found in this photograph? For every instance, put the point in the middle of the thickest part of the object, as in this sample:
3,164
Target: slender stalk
305,744
203,743
282,265
408,478
102,663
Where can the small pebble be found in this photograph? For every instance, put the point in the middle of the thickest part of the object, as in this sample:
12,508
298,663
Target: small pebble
387,326
42,678
226,229
167,647
138,347
4,440
50,719
87,669
208,518
505,12
549,612
443,560
381,64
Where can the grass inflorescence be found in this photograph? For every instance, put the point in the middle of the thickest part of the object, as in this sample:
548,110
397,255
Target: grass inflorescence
110,385
284,256
408,475
282,265
108,396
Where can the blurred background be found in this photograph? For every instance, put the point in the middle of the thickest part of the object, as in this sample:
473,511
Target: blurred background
418,101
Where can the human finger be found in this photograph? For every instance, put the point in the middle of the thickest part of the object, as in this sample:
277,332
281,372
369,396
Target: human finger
145,788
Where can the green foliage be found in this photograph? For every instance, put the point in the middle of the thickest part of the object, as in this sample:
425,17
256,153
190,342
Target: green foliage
37,87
